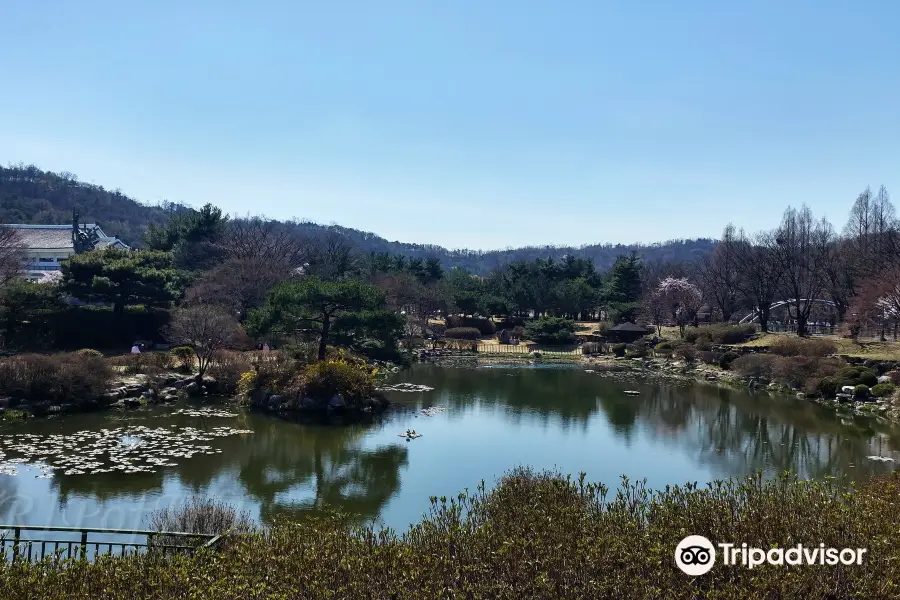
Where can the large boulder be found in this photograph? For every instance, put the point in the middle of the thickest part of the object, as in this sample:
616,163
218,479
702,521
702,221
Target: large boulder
275,402
336,402
885,379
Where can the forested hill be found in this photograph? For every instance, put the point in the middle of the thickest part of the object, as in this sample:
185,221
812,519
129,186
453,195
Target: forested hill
30,195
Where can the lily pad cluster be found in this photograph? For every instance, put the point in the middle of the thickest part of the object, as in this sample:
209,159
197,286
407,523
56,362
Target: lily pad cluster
405,387
134,449
205,411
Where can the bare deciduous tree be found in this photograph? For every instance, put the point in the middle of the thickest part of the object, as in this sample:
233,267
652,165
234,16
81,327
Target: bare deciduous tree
238,284
207,329
757,262
10,255
717,274
802,247
264,240
333,257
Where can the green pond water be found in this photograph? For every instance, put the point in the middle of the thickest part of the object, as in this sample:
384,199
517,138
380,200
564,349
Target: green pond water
117,467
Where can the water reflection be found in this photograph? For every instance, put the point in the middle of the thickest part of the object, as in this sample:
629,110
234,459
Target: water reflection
496,418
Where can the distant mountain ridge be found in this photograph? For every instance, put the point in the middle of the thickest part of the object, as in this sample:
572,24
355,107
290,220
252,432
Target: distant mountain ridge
30,195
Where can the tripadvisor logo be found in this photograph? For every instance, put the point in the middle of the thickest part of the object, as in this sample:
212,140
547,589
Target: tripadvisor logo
696,555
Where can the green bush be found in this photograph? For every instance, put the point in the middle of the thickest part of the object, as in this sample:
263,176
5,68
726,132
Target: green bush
603,327
861,391
551,331
74,327
883,390
827,387
324,379
796,346
463,333
484,326
664,346
687,352
703,344
619,349
852,375
709,357
503,544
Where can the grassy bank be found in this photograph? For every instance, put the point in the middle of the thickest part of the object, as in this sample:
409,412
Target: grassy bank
534,536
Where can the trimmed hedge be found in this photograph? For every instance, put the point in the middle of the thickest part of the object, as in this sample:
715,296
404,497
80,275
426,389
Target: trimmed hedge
463,333
484,326
76,327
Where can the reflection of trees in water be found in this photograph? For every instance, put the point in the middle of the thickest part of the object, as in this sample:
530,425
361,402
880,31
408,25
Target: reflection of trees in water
328,463
734,430
276,464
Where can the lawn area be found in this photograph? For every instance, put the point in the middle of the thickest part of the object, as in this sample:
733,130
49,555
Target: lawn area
873,349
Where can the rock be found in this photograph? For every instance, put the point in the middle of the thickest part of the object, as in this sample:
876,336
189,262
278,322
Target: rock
535,354
192,388
711,377
842,397
210,383
5,402
171,378
801,396
178,384
133,389
132,402
774,386
110,397
307,402
847,389
884,379
337,401
147,394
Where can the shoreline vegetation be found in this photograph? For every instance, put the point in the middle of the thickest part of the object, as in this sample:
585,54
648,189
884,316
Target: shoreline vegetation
533,535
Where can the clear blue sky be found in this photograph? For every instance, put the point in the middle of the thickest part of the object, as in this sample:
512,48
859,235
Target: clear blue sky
464,123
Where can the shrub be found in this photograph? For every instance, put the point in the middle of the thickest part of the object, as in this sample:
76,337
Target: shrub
861,391
826,387
692,334
727,358
664,346
198,515
720,334
687,352
484,326
89,352
463,333
324,379
517,331
603,327
796,346
489,541
226,368
619,349
853,376
709,357
57,378
183,357
551,331
703,344
883,390
590,348
754,365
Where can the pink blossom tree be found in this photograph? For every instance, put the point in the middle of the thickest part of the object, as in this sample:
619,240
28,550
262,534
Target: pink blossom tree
681,298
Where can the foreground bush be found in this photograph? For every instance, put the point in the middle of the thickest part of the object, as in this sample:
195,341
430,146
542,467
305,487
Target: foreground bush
57,378
537,535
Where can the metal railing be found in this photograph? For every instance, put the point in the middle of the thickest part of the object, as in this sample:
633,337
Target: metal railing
79,544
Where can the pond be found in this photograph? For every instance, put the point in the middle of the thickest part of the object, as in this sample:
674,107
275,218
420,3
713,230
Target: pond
476,423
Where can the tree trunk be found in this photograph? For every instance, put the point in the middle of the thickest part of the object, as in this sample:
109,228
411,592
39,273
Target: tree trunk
801,325
764,319
323,341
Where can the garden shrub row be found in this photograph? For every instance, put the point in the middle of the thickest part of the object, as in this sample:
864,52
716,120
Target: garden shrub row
536,535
